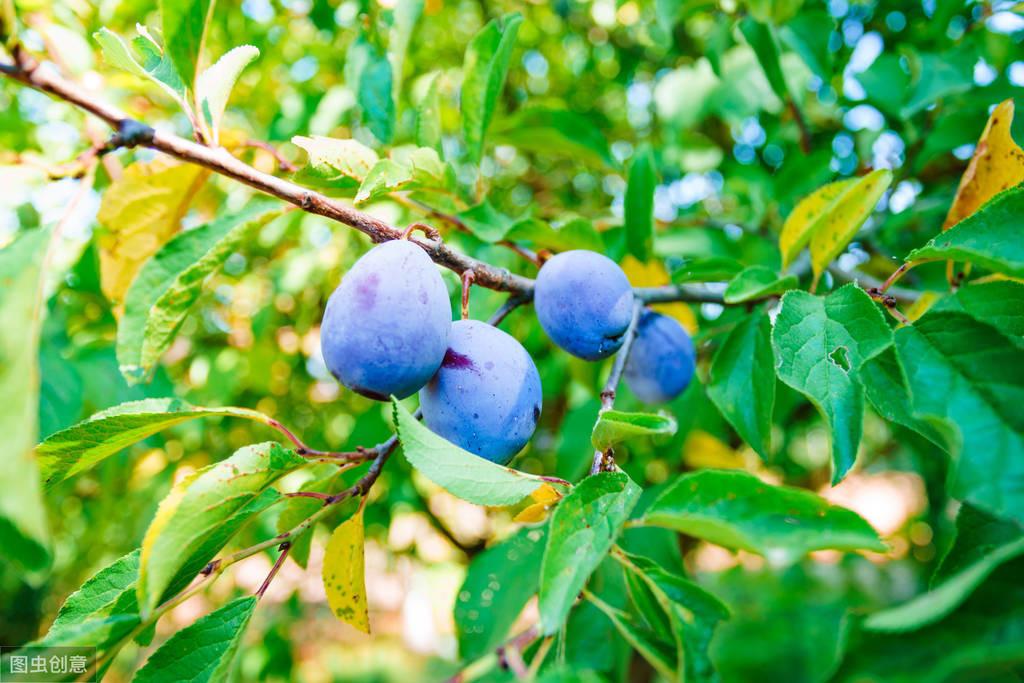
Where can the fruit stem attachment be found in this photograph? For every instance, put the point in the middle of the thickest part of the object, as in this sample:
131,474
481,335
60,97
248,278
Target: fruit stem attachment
604,461
467,281
427,230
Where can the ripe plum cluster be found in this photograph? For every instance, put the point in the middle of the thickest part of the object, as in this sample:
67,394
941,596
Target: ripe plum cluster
388,331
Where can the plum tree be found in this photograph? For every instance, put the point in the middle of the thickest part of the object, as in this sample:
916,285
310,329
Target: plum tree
486,397
584,303
386,327
661,362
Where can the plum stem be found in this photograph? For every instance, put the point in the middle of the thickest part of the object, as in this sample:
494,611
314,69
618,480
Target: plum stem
427,230
467,282
604,461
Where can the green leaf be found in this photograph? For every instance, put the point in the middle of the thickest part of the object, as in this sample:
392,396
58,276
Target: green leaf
583,528
708,269
999,304
341,164
418,168
939,76
820,344
498,584
100,633
983,543
109,593
368,74
214,86
385,177
761,38
428,130
556,131
758,282
575,233
741,381
171,281
24,534
202,651
184,32
156,67
693,614
990,237
659,652
967,379
344,573
406,15
638,204
79,447
198,506
486,222
483,77
460,472
886,388
735,509
615,426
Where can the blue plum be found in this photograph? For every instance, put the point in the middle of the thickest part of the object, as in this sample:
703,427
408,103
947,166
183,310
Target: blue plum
386,327
584,302
486,398
662,361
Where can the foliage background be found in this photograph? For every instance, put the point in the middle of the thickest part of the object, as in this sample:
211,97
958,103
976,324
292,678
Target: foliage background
901,85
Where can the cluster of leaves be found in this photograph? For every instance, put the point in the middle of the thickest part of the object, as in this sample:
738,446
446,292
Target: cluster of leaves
475,148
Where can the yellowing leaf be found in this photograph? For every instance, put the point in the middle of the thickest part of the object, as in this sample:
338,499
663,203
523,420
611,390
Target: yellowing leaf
653,274
532,514
703,450
139,213
844,217
546,494
344,573
802,221
997,165
921,306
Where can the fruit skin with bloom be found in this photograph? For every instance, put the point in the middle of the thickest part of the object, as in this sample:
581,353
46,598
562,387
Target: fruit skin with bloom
386,327
661,361
486,398
584,302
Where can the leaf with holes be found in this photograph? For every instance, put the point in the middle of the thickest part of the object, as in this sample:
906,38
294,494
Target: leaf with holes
820,344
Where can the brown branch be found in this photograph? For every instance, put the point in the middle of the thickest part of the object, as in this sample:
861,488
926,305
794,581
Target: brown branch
284,548
38,76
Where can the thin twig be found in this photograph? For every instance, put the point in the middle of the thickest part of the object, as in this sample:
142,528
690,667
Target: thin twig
284,548
604,460
282,163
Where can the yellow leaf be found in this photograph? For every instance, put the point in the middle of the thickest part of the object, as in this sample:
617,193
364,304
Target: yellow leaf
653,274
997,164
545,494
703,450
802,221
844,217
921,306
532,514
344,573
139,213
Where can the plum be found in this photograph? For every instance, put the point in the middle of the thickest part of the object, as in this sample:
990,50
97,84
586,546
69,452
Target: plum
661,362
386,327
584,302
486,398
